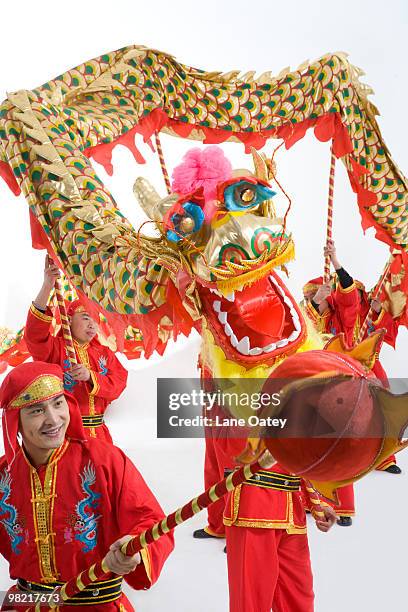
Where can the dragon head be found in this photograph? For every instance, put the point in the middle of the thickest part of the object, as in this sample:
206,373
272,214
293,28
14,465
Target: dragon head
222,225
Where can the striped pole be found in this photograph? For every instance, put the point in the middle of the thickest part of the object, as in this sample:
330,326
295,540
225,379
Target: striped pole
329,226
376,292
66,329
98,571
162,162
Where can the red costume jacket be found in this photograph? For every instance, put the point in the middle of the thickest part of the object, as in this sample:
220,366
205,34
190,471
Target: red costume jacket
108,376
347,312
250,505
50,532
341,315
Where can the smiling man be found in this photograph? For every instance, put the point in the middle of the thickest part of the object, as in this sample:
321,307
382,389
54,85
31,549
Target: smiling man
66,503
98,378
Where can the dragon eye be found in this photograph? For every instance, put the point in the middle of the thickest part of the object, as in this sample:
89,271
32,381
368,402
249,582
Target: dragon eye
187,224
247,195
244,195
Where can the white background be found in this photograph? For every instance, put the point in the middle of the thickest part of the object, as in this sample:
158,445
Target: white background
358,568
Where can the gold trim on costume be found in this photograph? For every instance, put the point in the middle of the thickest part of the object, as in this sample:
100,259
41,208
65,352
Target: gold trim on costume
347,289
213,534
40,315
288,523
356,331
43,388
42,499
82,352
145,556
95,387
318,320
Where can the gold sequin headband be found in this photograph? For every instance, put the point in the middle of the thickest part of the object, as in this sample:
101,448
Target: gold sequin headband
41,389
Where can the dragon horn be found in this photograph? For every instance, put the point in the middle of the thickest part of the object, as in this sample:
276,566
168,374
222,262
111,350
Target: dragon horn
147,196
264,170
261,169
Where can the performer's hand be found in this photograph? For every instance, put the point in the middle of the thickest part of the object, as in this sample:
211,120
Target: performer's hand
326,523
330,251
376,305
51,272
117,562
80,372
322,293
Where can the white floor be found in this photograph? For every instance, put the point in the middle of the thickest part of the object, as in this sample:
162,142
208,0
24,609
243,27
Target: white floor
357,568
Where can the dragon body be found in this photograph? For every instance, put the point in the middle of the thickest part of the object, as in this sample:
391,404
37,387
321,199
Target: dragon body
48,134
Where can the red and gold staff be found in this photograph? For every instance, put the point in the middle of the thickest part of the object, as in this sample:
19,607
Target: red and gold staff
92,372
49,531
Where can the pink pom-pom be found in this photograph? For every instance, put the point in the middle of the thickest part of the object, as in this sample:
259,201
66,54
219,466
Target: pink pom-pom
202,168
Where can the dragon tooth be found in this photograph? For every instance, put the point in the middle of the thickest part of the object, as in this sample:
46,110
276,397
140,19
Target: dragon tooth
228,329
234,340
230,297
255,351
295,319
243,346
222,317
278,287
217,306
269,348
282,342
294,335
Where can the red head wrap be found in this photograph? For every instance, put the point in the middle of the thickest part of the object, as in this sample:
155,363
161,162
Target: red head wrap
75,306
27,384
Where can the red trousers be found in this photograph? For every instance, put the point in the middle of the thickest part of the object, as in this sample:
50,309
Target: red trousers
346,501
219,456
268,569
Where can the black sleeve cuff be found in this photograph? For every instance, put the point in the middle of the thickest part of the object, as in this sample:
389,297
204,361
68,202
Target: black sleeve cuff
344,278
315,306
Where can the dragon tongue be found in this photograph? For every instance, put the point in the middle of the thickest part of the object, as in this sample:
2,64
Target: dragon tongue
261,309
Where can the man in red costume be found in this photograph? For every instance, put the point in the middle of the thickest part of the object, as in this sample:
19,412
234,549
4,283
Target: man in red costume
50,532
98,378
221,449
267,548
343,310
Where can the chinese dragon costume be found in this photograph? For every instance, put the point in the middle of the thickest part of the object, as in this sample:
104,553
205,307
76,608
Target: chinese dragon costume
212,258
